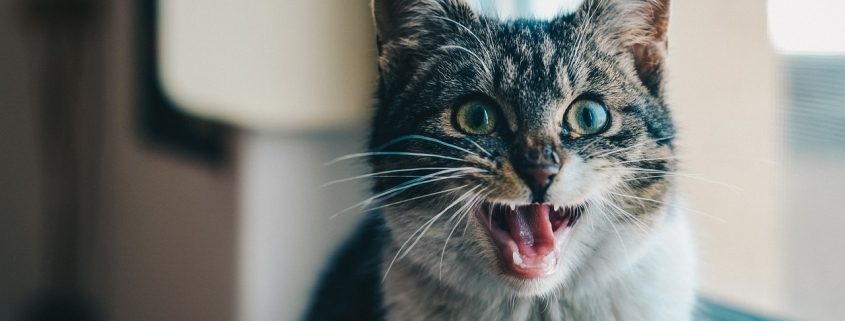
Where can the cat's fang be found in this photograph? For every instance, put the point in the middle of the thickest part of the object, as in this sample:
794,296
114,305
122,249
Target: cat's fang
517,258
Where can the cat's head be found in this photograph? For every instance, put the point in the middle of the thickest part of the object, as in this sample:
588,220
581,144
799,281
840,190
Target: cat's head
521,155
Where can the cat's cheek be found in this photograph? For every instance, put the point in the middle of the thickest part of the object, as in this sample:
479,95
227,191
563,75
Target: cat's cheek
575,183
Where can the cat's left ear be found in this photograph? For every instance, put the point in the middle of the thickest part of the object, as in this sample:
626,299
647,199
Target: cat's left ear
649,45
643,25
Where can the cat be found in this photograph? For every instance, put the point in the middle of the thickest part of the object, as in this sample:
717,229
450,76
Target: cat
523,170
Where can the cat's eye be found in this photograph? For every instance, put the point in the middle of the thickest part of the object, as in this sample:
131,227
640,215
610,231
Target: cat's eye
476,117
587,117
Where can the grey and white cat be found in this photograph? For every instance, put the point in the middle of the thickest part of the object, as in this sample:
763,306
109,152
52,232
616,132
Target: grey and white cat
523,171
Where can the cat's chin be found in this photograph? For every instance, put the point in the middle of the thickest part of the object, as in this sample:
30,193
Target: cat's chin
530,239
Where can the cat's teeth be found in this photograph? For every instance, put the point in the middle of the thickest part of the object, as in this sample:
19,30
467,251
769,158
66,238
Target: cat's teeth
550,259
517,258
556,208
512,207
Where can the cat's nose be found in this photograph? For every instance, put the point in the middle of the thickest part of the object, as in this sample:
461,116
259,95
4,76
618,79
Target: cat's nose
538,166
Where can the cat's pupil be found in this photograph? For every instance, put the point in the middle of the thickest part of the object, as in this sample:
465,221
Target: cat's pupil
587,118
478,117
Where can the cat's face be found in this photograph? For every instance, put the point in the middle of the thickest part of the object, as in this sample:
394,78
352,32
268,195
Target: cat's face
521,155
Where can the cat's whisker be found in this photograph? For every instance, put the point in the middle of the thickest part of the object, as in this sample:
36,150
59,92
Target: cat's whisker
580,39
399,251
465,210
639,223
414,198
434,219
635,169
615,151
489,214
617,205
423,229
483,64
642,178
592,222
637,198
484,47
467,29
687,209
460,209
602,204
663,173
363,204
627,189
583,149
366,154
399,176
381,174
425,138
479,146
404,186
425,178
619,150
479,199
649,159
628,262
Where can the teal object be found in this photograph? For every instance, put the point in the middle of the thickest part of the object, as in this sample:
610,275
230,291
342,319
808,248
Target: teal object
709,310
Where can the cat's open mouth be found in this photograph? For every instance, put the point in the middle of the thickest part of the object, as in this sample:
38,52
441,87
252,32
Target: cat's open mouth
529,237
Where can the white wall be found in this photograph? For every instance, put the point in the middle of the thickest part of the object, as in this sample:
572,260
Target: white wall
287,235
724,86
773,246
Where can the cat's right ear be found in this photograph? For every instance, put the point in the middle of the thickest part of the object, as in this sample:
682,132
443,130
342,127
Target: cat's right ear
396,18
385,14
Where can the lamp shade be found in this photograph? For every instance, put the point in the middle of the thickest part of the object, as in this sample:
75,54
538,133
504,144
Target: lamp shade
269,65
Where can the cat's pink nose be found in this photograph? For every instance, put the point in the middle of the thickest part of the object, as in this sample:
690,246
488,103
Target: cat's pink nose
538,166
539,178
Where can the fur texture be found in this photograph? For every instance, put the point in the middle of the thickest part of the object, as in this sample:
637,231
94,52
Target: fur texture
629,257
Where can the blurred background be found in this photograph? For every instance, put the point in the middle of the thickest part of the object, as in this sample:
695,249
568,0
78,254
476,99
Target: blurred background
162,160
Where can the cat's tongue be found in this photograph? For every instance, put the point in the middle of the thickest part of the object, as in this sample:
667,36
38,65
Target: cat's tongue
532,232
529,237
531,229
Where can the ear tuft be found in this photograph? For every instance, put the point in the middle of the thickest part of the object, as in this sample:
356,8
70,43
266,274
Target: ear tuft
647,40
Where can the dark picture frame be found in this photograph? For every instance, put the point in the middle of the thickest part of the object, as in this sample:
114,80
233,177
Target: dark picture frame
161,123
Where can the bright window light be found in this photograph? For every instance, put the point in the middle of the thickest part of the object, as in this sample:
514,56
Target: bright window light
536,9
807,26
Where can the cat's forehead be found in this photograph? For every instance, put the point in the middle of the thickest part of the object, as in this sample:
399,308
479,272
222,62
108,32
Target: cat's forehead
535,64
524,9
532,69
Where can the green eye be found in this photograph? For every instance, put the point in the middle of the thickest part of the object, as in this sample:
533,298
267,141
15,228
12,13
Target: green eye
476,117
587,117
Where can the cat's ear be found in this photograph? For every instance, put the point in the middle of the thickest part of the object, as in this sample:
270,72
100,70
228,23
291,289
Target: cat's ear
395,18
645,35
642,27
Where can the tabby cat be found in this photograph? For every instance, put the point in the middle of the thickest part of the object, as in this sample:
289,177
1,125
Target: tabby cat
523,170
